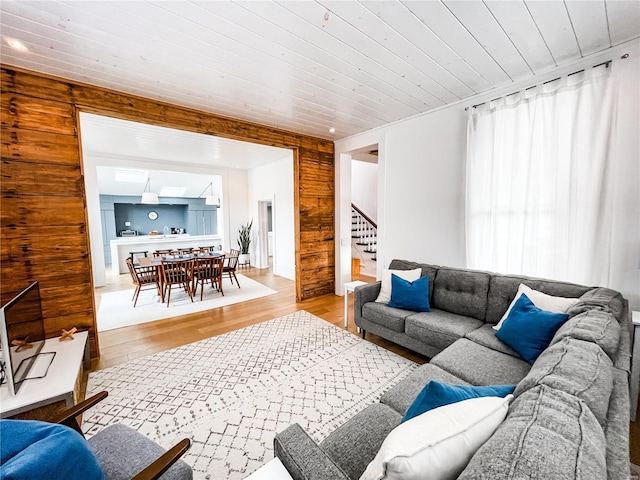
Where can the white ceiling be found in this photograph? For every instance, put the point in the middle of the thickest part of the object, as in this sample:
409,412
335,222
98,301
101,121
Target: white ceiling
165,154
307,66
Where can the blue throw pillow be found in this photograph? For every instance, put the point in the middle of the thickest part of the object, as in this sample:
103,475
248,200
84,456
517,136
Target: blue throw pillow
410,295
32,450
529,330
436,394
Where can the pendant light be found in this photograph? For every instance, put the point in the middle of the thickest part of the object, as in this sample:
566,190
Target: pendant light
148,197
210,199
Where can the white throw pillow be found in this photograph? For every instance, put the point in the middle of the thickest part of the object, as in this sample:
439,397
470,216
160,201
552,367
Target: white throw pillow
385,288
541,300
438,444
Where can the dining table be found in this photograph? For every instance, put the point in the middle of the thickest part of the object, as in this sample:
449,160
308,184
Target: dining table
156,262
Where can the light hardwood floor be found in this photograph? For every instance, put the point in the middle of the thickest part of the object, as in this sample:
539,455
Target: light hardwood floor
124,344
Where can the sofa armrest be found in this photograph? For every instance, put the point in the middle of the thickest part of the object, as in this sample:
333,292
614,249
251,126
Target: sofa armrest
365,294
303,458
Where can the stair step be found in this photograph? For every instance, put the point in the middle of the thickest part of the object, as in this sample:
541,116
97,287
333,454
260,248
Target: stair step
361,243
370,251
375,259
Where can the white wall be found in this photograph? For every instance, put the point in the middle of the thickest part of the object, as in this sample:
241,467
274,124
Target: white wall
235,206
422,174
364,187
274,182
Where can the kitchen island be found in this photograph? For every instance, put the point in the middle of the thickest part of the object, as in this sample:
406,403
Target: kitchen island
121,247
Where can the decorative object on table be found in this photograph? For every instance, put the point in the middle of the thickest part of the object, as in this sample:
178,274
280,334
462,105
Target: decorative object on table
22,344
67,334
244,241
232,392
149,197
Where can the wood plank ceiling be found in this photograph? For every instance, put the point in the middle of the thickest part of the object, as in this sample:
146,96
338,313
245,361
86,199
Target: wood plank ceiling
314,65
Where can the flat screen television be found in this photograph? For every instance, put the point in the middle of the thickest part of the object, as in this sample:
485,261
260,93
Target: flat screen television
20,320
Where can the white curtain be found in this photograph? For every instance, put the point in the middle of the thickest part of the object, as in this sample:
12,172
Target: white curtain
539,193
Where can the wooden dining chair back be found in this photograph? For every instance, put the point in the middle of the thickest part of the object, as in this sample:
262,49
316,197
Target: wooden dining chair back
208,269
142,277
162,253
234,252
230,265
177,272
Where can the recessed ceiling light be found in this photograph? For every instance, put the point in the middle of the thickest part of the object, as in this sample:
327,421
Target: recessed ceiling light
332,130
17,45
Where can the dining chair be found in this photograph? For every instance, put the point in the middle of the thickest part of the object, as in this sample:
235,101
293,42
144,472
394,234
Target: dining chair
208,269
234,252
231,263
162,253
134,255
177,272
142,277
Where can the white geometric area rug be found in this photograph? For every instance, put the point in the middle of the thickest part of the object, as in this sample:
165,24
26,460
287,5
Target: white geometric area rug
116,308
231,393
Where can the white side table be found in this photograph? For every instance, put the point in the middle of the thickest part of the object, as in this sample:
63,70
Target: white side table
61,383
349,287
635,365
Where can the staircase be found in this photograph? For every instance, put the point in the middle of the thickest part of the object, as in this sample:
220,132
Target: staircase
364,236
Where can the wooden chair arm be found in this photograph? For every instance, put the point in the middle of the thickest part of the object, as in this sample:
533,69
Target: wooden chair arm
68,417
162,464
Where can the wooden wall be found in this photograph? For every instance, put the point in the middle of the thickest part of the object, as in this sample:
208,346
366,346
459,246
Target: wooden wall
44,225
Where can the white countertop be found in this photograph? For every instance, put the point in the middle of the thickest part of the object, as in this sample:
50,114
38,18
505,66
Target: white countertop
121,246
162,238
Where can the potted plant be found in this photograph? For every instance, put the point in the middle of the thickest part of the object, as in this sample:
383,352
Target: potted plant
244,240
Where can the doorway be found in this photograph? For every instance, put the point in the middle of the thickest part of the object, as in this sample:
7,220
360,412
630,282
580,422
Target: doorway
266,234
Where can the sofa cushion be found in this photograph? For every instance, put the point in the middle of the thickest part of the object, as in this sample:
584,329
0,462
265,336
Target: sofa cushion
438,327
549,303
548,434
437,394
382,314
486,336
593,326
427,271
385,283
438,444
528,329
578,368
480,365
600,299
503,288
402,395
408,295
461,291
366,430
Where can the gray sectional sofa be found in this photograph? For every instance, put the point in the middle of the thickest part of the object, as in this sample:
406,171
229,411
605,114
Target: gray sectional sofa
570,417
